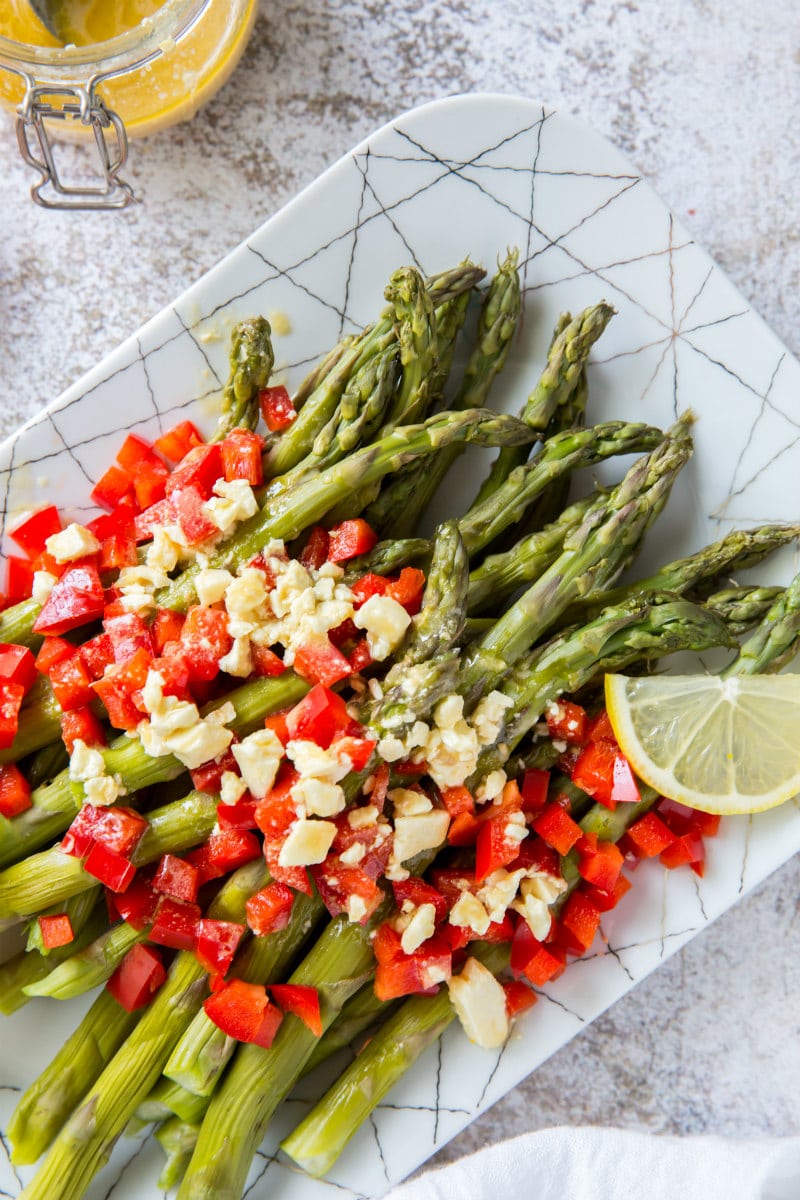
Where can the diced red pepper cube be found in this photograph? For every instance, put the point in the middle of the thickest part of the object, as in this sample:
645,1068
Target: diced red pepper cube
166,628
408,974
301,1000
52,650
319,717
242,1011
79,838
386,944
599,729
241,457
494,847
11,697
32,533
338,885
112,869
128,634
200,468
535,785
360,657
204,641
567,722
176,878
464,829
523,947
17,665
407,589
350,539
315,551
269,910
137,978
19,579
605,901
579,922
135,451
417,892
649,836
519,998
187,511
321,662
96,654
547,963
120,690
241,815
458,800
137,905
208,777
178,441
688,848
176,924
603,772
599,862
266,663
119,551
114,486
232,848
15,791
56,930
154,516
557,828
76,599
369,585
149,482
71,683
535,852
358,750
277,408
217,943
119,829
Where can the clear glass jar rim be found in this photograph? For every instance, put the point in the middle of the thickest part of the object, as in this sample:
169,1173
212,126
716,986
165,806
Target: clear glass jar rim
81,64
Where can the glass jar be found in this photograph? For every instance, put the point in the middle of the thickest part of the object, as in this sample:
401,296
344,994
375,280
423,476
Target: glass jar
156,74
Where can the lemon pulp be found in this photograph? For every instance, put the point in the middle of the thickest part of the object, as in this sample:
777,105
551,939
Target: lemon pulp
720,745
167,90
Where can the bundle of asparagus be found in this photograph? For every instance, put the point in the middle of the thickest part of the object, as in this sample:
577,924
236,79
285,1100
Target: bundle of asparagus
408,860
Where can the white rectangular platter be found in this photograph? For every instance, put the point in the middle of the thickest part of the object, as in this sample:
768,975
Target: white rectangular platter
467,176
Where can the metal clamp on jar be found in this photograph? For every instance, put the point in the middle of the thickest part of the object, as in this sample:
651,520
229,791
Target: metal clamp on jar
151,76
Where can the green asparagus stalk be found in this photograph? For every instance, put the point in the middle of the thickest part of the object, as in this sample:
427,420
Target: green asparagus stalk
78,908
566,359
39,725
415,323
743,607
90,966
43,766
29,965
360,1013
85,1140
177,1139
170,1099
321,1137
251,362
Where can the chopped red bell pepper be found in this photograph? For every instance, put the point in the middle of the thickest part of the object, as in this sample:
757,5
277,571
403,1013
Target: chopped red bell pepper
112,869
315,551
266,663
53,650
320,662
229,849
17,665
547,963
579,922
386,944
535,785
682,819
242,1011
128,633
32,533
134,452
112,488
76,599
557,828
120,690
137,905
137,978
301,1000
96,654
408,974
350,539
186,510
79,838
519,998
605,901
208,776
15,791
241,815
19,579
599,729
599,862
688,848
270,909
149,482
241,457
603,772
535,852
464,829
567,722
319,717
176,878
360,657
176,924
200,468
494,847
523,947
369,585
178,441
417,892
146,523
71,683
56,930
277,408
217,943
204,641
11,697
166,628
338,885
649,836
458,800
407,589
357,749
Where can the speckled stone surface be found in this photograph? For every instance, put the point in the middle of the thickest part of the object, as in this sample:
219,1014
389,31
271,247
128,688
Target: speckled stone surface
703,96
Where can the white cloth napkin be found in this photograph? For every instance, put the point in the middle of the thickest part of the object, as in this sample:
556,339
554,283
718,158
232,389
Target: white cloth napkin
591,1163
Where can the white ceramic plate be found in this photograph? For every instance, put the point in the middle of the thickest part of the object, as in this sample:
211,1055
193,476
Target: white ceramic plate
470,175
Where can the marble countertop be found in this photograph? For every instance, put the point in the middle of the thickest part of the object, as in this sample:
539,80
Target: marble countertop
702,96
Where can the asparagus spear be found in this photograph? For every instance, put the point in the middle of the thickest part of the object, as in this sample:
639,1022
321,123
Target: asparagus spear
251,361
85,1140
39,725
743,607
566,358
89,966
31,964
415,324
177,1139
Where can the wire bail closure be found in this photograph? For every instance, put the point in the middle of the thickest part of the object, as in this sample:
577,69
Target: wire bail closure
36,147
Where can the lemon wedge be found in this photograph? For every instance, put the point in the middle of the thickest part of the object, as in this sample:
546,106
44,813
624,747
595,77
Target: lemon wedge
723,746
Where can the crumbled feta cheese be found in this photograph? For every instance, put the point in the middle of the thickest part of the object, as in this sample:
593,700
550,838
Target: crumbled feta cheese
516,829
362,818
104,790
420,927
537,893
544,886
246,602
319,798
353,855
391,748
73,542
385,622
491,786
451,750
202,743
424,831
43,584
176,727
356,909
449,711
232,787
212,584
307,843
85,762
408,803
233,501
259,756
480,1004
164,551
310,759
137,584
487,717
499,890
468,911
239,660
